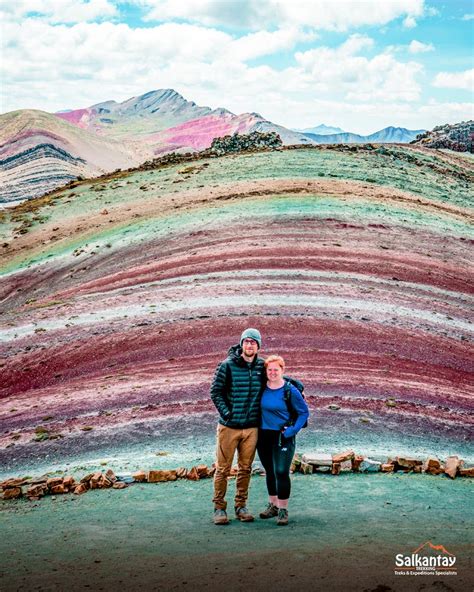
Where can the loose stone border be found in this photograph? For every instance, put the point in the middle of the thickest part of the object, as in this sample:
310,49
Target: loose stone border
308,463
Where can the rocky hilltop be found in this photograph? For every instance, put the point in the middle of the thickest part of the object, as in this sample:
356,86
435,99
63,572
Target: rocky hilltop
458,137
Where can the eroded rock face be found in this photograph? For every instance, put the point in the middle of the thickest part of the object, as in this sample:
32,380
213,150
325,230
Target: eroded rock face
356,268
457,137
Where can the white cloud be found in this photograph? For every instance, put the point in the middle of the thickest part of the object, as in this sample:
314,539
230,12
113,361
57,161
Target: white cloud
338,15
418,47
468,17
359,77
409,22
264,43
60,11
461,80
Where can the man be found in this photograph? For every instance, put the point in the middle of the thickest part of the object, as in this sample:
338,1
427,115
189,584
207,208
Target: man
236,391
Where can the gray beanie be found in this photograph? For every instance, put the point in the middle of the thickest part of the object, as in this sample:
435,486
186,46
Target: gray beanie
251,334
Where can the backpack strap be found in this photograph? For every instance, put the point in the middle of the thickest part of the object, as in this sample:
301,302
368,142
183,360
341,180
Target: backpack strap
287,399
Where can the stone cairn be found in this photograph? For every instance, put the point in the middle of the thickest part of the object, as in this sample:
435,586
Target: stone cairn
252,142
307,464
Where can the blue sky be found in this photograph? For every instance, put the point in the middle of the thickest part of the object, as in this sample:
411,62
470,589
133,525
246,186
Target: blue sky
357,64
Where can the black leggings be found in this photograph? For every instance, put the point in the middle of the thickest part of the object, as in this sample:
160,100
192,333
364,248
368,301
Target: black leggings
276,461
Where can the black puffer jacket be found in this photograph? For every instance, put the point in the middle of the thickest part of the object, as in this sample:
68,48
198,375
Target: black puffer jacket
236,390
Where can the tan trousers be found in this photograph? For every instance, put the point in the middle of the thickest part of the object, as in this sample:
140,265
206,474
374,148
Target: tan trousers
228,441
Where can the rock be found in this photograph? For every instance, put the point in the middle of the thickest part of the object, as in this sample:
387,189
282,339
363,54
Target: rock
467,472
193,475
36,491
110,475
212,469
128,479
306,468
69,482
317,469
342,456
119,485
333,407
140,476
13,482
336,468
369,466
387,467
80,489
203,471
105,482
356,461
295,463
161,476
39,481
181,473
452,465
58,488
87,478
12,493
433,466
317,458
346,466
53,481
417,469
407,463
95,480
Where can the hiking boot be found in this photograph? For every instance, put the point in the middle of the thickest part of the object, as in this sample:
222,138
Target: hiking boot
270,512
220,517
243,514
282,517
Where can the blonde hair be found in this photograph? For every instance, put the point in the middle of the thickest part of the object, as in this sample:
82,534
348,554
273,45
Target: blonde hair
275,358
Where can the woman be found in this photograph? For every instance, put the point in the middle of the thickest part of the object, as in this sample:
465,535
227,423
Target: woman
281,421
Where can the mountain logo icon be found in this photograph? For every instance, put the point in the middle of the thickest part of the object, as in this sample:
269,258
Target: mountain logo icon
429,545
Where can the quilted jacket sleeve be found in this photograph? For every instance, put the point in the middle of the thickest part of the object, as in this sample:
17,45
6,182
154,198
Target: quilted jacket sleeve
218,391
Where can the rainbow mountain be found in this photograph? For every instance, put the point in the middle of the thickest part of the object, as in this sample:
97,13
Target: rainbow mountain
41,151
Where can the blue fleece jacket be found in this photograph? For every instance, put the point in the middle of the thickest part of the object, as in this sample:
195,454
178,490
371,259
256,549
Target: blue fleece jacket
275,415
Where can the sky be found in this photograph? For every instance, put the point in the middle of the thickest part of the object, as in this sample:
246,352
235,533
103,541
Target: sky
360,65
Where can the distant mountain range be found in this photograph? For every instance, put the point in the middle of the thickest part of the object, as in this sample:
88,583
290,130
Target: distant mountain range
41,151
322,130
399,135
